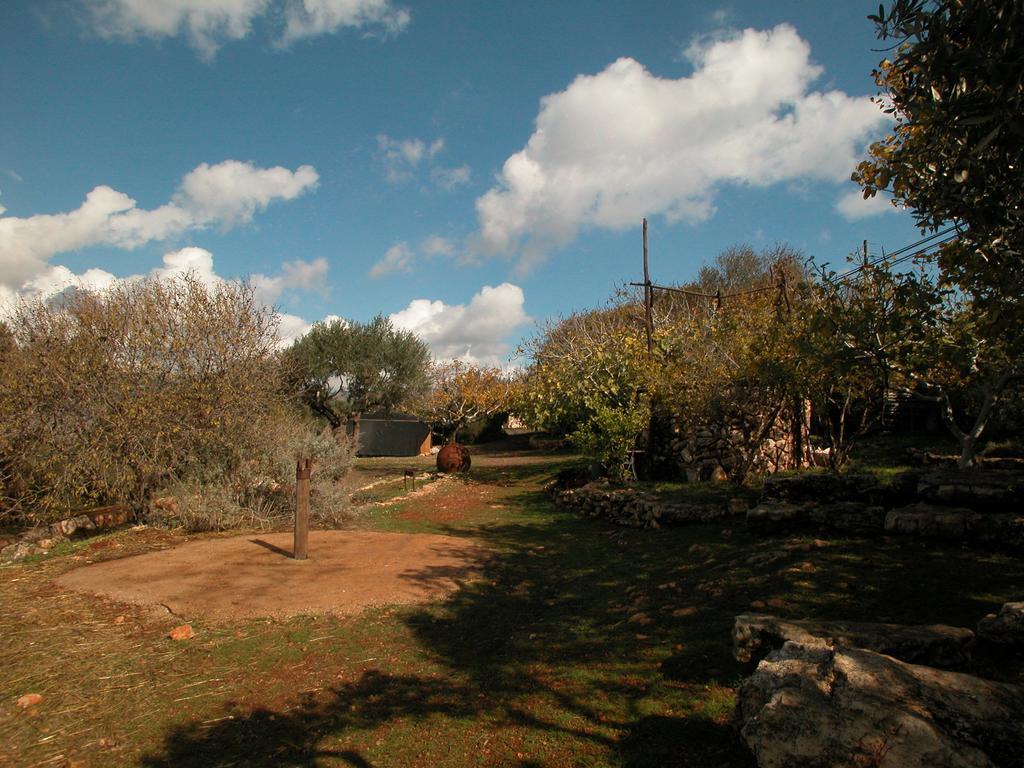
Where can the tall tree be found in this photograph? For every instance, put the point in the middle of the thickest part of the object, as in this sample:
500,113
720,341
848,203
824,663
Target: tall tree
461,393
345,369
955,85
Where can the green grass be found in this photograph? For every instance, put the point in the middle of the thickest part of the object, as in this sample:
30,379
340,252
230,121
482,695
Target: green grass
581,644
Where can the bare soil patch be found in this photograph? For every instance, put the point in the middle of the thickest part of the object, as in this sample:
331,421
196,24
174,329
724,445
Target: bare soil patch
255,575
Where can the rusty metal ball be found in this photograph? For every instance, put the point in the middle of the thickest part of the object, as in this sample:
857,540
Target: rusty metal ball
453,458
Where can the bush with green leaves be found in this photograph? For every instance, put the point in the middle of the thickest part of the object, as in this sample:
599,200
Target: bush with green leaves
107,397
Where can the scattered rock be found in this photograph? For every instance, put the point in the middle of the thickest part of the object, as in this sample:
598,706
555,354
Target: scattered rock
753,635
29,700
680,613
640,618
184,632
812,705
120,619
1004,628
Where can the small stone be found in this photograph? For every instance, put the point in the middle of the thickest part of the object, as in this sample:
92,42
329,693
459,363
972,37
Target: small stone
759,604
640,618
120,619
682,612
44,544
184,632
29,700
777,602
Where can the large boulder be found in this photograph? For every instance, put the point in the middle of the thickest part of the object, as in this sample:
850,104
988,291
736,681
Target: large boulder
1005,627
814,706
755,634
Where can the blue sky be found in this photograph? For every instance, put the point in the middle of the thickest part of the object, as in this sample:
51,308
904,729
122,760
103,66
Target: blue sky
469,168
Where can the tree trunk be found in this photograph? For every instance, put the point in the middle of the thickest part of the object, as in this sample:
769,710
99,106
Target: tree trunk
967,446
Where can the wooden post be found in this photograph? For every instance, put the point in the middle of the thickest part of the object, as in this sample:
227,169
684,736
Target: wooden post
303,470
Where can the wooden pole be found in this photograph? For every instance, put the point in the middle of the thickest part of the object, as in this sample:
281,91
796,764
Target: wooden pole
648,298
303,470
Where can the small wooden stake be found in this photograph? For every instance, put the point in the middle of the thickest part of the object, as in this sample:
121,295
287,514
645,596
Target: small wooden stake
303,470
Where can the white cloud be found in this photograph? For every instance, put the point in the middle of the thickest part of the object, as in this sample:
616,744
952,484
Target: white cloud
298,275
623,144
449,178
853,207
403,157
397,258
435,245
208,24
474,331
295,275
225,194
309,18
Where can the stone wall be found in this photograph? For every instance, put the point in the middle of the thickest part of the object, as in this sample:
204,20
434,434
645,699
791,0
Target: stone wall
636,509
982,506
713,450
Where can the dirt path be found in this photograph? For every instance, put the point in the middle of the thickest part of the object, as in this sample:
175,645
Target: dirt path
255,575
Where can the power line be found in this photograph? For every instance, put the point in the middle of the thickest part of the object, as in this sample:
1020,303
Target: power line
906,249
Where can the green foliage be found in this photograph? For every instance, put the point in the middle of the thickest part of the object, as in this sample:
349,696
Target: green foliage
955,156
345,368
591,381
732,364
857,329
109,396
460,394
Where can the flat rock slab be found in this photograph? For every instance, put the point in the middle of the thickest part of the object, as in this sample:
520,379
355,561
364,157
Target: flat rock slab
820,707
255,575
755,634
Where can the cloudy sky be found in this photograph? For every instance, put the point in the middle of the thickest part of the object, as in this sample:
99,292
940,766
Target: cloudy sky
468,168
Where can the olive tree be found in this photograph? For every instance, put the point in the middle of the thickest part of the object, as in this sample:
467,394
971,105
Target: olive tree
345,368
105,396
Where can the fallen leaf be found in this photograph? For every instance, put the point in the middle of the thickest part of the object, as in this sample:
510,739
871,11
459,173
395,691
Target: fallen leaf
184,632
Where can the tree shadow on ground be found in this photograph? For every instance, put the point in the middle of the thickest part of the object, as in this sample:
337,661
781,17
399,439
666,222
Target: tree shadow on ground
296,738
605,646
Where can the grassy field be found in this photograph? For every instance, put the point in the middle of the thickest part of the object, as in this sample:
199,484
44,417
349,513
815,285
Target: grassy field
581,644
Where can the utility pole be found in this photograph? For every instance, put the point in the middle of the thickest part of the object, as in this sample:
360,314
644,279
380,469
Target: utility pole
648,297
